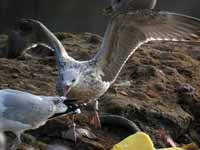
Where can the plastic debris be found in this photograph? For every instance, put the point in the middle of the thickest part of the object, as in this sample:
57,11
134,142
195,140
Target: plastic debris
142,141
191,146
138,141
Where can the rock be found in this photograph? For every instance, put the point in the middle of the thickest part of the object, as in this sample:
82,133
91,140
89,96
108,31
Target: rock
80,133
159,87
15,76
170,71
152,94
94,39
146,72
194,53
186,94
185,72
86,133
185,89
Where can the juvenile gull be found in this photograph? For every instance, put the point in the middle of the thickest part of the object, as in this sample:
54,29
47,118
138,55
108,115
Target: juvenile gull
21,111
127,30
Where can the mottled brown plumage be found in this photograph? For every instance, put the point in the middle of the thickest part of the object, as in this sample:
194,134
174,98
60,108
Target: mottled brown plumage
128,31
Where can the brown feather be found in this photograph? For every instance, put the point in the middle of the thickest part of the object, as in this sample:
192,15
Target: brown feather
126,32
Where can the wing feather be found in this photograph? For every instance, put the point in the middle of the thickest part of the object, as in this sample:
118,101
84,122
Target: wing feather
126,32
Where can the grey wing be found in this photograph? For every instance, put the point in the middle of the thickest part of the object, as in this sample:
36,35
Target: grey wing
126,32
26,108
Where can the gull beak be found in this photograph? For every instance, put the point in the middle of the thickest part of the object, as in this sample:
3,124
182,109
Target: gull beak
107,11
63,98
67,88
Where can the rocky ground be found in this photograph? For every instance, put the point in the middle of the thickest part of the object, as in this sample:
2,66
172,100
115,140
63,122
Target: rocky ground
159,88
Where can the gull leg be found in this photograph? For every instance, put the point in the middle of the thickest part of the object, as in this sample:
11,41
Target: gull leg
95,120
71,133
74,128
18,138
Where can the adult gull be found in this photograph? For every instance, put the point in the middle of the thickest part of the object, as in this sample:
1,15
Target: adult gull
21,111
127,30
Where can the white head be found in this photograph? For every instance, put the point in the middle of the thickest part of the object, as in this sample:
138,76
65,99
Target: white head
69,79
60,107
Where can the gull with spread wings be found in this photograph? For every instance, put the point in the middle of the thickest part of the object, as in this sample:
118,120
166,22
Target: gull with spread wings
127,30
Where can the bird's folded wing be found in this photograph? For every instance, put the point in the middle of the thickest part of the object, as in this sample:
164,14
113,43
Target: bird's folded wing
26,108
126,32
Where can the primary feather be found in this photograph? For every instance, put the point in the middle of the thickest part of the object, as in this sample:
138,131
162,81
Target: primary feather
126,32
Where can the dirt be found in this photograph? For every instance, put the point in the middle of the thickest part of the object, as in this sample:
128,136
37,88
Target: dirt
164,90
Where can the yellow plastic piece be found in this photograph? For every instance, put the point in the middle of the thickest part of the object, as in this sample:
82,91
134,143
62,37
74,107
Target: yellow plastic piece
173,148
139,141
191,146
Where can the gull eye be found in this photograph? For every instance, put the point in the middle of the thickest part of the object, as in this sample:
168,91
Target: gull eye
118,1
73,80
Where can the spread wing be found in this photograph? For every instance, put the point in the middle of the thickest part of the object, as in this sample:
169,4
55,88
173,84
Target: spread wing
127,32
